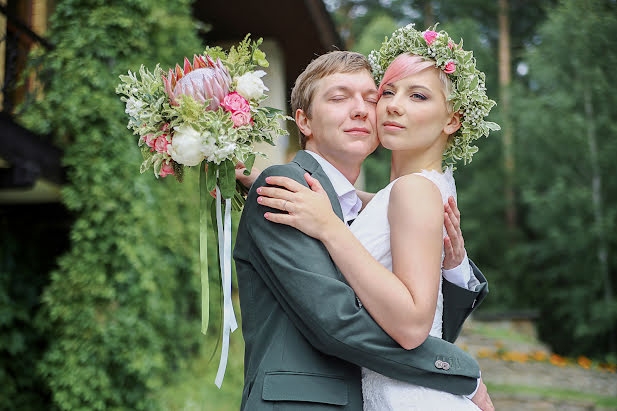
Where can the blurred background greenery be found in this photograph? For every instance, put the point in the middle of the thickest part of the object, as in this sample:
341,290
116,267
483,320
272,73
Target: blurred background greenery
99,289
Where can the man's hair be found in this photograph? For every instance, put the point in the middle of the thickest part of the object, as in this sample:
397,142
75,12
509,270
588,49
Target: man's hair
325,65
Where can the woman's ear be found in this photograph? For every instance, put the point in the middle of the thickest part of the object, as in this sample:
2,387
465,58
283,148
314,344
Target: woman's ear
303,122
454,124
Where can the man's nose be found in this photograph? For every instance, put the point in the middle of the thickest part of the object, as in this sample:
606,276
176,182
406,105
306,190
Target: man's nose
360,109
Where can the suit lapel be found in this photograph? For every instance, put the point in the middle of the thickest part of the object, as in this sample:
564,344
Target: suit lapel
307,162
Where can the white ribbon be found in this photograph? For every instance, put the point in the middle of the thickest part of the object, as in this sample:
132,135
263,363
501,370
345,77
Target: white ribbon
229,318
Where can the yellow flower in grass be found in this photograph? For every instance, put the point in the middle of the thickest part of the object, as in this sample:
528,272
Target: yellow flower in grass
539,355
612,368
584,362
485,353
557,360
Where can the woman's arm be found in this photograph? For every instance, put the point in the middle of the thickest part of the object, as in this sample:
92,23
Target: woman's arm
402,302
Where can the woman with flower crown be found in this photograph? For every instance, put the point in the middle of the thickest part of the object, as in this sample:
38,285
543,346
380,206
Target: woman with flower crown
432,105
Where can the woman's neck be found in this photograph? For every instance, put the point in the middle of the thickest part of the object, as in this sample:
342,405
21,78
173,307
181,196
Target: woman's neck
409,162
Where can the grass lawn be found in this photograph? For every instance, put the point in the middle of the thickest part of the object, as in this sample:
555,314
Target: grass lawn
194,388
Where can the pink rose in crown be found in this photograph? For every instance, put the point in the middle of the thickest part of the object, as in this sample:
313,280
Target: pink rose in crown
166,169
241,118
450,68
161,143
235,102
430,36
450,45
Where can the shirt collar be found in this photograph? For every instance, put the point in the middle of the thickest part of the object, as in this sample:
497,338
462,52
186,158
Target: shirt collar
345,191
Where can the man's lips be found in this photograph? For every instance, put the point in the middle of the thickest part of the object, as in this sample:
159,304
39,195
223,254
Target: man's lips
357,130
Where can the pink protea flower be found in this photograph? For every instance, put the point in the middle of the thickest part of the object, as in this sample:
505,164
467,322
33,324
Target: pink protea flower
430,36
204,80
449,68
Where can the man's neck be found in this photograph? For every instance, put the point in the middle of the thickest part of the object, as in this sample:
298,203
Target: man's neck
350,170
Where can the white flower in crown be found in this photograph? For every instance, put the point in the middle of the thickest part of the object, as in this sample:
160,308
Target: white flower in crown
186,146
250,86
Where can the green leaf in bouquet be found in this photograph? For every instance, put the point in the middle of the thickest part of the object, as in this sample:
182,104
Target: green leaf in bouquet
271,111
227,178
260,58
211,176
250,160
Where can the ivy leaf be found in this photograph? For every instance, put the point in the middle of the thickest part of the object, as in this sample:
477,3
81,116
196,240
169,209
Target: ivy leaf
492,126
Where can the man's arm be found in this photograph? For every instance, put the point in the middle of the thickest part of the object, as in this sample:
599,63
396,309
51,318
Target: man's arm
312,291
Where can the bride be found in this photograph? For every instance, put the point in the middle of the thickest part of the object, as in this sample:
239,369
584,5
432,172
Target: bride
432,105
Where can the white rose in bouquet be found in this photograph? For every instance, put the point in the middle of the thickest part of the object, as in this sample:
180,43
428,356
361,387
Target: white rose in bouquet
250,86
186,146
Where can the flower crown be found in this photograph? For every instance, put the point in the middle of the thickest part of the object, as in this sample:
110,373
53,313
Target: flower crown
468,83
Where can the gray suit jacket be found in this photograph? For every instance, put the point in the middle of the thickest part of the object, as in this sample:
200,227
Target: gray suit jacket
305,334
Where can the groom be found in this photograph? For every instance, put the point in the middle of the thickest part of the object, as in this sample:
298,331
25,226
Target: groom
306,334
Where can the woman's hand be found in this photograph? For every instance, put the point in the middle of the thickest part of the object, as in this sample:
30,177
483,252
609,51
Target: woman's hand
454,245
308,210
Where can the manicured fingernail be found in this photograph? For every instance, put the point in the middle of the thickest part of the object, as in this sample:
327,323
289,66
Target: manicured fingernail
259,190
267,179
260,199
267,215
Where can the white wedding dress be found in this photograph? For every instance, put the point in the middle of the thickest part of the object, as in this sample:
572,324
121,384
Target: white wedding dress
382,393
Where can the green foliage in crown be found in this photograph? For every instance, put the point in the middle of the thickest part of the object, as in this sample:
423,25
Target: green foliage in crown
468,92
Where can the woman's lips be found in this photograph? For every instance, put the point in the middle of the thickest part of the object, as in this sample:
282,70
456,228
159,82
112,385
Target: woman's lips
393,126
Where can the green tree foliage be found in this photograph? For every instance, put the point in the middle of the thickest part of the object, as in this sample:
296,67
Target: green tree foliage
568,192
120,312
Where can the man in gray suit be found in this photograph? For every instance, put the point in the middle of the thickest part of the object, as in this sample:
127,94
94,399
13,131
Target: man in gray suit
306,334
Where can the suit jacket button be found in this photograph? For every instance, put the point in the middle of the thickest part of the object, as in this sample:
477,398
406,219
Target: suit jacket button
446,366
439,364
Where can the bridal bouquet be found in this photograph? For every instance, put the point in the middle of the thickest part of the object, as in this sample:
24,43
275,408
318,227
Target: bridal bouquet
205,113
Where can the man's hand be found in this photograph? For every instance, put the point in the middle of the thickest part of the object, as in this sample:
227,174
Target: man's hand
453,243
482,399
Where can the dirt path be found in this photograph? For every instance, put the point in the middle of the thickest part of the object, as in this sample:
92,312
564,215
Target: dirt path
519,369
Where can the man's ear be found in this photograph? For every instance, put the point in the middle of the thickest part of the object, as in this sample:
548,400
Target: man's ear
454,124
303,122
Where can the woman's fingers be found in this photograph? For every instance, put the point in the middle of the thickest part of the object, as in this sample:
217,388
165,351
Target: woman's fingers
313,183
275,192
288,183
276,203
280,218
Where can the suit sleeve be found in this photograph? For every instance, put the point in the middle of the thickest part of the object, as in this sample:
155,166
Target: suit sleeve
307,284
459,303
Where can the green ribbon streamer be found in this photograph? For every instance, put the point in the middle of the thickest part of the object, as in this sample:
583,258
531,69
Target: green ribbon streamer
203,248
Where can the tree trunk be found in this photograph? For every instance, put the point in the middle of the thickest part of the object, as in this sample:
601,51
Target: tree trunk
429,17
505,78
598,210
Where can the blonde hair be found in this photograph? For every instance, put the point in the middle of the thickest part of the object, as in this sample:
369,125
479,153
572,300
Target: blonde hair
325,65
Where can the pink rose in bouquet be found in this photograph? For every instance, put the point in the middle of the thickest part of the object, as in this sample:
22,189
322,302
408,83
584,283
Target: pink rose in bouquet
235,102
166,169
241,118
